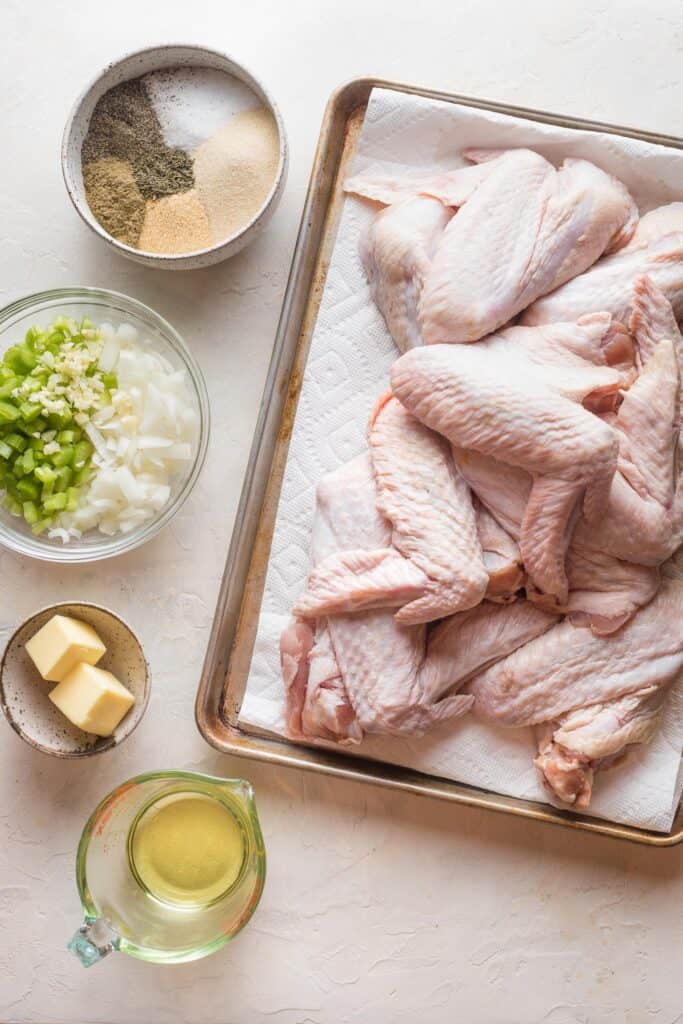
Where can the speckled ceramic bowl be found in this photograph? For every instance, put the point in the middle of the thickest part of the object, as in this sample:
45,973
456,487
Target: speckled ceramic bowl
141,62
24,693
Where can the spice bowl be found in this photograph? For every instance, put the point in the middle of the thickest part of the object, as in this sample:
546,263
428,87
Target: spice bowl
168,214
24,693
156,336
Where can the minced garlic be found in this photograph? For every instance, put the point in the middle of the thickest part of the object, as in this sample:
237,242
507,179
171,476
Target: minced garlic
69,386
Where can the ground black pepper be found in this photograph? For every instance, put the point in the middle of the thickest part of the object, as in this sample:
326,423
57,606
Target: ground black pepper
124,125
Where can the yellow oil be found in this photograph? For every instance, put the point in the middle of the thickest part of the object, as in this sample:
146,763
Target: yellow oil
186,848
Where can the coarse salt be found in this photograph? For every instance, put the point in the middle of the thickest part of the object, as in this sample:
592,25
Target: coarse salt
193,103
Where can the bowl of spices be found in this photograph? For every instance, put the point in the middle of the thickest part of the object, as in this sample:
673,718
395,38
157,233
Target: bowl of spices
176,156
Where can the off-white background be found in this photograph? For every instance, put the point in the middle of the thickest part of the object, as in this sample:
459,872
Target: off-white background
378,908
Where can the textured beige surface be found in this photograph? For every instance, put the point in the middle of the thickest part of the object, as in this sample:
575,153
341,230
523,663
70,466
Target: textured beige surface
378,908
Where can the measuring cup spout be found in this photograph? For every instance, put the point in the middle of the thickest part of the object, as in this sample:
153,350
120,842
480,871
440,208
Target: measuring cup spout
93,941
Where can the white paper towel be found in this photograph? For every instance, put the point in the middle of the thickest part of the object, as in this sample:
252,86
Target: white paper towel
350,355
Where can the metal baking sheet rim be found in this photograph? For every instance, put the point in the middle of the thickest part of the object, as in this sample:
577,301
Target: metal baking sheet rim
228,656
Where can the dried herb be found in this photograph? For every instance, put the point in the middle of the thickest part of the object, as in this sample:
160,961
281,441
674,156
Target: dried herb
124,125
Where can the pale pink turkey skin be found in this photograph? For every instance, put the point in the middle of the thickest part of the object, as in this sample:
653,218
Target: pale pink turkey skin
603,591
463,645
522,228
663,220
353,673
379,661
497,400
397,251
544,456
398,246
569,668
446,556
359,580
296,642
643,522
608,285
526,229
316,701
502,558
652,320
452,188
576,746
327,710
427,502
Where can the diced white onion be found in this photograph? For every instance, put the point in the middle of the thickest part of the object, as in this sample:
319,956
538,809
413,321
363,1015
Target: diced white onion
109,355
98,441
140,440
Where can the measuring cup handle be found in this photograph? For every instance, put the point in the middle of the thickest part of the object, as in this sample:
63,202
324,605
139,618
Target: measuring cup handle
93,941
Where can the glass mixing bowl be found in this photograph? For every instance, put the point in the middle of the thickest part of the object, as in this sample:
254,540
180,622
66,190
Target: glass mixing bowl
105,306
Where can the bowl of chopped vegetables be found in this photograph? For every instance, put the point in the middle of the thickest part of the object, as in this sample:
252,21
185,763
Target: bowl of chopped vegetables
104,424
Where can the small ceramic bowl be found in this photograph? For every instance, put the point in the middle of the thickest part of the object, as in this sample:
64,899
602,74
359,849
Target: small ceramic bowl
141,62
24,692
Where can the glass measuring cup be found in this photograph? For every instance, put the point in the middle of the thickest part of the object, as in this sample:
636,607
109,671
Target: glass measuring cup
122,914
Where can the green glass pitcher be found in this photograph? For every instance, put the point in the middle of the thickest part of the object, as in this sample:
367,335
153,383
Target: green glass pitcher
123,913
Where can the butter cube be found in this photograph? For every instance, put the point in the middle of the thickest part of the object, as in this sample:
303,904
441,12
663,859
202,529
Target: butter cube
61,644
93,699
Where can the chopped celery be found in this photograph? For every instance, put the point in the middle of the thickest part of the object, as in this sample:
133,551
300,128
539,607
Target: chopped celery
55,340
20,358
55,503
82,452
64,457
43,382
8,386
81,474
41,525
45,474
8,411
12,505
30,511
28,489
34,337
17,442
72,498
56,420
28,461
64,477
29,411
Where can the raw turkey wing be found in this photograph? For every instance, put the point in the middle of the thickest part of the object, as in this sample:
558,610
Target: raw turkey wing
609,284
569,668
429,506
528,417
525,230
